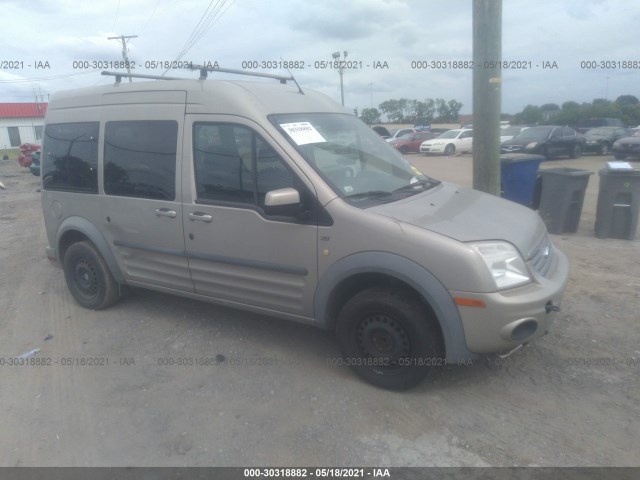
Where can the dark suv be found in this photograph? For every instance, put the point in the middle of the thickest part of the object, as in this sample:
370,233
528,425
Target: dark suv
584,125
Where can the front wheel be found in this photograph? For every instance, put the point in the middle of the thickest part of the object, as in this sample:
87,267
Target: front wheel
605,149
449,150
389,338
576,151
88,277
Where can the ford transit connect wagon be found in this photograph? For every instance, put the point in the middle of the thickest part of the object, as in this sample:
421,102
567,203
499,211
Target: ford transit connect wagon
263,196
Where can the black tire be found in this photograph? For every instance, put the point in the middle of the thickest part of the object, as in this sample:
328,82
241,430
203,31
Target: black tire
605,149
404,150
576,151
619,156
388,337
449,150
88,277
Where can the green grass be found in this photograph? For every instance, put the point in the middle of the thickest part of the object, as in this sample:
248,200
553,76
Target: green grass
11,152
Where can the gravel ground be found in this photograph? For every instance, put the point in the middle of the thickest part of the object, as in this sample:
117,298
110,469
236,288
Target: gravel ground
271,395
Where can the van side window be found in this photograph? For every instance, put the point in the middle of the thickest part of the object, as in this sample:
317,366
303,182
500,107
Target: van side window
232,163
223,163
140,159
70,157
271,172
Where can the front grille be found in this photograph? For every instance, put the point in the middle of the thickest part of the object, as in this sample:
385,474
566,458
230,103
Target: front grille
543,257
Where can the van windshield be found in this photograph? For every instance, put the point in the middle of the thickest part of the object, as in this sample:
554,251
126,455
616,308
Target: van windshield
356,163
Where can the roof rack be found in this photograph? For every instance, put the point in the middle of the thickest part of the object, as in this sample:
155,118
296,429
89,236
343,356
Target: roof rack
204,71
119,76
203,75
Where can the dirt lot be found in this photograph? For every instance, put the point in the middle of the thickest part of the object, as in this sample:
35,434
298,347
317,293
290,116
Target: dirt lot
272,396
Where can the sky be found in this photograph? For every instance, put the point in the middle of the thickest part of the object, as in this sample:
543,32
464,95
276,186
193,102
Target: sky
591,46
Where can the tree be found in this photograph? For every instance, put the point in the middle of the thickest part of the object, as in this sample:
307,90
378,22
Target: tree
529,115
454,109
443,110
391,108
370,116
424,111
570,105
627,100
549,107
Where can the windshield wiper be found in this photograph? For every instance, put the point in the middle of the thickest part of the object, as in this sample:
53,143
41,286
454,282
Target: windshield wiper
419,183
370,193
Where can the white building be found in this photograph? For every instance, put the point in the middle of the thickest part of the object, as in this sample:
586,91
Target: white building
21,123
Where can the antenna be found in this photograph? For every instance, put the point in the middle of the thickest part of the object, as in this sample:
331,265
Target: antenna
292,78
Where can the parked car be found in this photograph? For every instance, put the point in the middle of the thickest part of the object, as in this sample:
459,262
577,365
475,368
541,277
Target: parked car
451,141
585,125
399,133
600,140
627,147
382,131
507,133
549,141
410,142
26,149
35,163
278,202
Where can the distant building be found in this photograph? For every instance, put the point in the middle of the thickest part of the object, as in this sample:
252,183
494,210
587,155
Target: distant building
21,123
465,120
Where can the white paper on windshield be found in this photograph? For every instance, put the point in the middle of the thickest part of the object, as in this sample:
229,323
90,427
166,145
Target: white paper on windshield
303,133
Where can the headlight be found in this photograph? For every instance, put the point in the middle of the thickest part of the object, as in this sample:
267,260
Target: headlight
532,145
504,262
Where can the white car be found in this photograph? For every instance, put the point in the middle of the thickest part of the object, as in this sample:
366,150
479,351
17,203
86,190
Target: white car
450,142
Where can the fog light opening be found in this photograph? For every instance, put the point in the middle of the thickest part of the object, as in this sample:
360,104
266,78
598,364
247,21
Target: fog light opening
524,330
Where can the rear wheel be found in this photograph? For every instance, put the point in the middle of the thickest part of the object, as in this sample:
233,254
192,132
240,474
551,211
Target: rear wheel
88,277
449,150
388,337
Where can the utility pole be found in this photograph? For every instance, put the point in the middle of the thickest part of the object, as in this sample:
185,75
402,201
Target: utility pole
123,39
487,79
336,57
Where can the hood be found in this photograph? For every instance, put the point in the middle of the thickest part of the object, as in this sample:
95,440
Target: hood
468,215
628,140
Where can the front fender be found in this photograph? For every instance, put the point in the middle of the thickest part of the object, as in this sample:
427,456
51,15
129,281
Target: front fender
409,272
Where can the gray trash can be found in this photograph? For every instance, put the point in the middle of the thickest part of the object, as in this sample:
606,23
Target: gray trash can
618,204
561,198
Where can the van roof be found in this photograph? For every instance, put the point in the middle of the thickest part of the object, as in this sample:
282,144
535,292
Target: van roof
245,98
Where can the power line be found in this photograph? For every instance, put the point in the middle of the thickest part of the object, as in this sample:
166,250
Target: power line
208,19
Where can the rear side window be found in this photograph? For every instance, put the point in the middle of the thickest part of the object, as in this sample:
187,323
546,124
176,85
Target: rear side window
70,157
140,159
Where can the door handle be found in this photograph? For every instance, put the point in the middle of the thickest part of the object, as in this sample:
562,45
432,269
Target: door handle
200,216
165,212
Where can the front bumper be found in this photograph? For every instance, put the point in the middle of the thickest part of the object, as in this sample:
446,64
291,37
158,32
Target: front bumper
626,150
433,149
512,317
592,147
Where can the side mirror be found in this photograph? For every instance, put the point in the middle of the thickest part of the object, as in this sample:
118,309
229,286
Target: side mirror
281,197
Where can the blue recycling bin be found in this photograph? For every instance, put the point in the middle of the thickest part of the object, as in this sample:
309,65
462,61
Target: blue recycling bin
518,174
